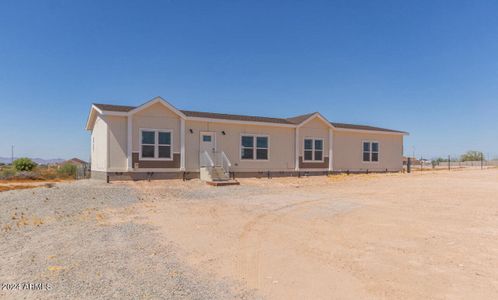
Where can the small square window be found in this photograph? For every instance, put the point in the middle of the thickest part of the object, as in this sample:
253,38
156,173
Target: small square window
366,156
262,154
375,156
206,138
247,153
164,151
308,155
308,144
247,141
147,151
148,137
164,138
261,142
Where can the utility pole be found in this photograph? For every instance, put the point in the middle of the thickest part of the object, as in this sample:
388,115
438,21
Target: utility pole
482,159
449,162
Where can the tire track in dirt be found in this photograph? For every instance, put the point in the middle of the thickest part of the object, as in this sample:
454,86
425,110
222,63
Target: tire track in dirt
251,238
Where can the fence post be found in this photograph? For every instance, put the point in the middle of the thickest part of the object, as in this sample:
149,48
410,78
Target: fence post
409,165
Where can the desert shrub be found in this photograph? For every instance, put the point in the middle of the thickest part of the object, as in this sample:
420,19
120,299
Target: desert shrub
27,175
472,156
24,164
7,173
47,173
67,170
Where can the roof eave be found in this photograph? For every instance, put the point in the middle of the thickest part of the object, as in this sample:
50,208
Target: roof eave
93,109
372,131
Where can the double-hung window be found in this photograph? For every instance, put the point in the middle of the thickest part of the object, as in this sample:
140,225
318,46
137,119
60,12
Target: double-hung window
313,149
370,151
155,144
254,147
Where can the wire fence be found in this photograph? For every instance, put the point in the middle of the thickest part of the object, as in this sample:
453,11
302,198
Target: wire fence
83,171
451,165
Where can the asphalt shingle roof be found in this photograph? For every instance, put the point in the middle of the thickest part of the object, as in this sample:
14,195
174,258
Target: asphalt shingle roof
290,121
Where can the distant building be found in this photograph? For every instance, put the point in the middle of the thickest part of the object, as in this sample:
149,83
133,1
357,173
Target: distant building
76,161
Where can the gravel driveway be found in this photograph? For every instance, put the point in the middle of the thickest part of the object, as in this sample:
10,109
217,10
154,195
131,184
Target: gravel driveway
57,237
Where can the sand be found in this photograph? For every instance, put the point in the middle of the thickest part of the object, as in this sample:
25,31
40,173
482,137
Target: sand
431,235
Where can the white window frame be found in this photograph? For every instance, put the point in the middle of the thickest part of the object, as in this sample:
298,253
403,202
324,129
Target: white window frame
370,152
254,146
156,144
313,149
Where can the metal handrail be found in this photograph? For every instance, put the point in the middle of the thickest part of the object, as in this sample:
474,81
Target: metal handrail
205,159
225,162
225,159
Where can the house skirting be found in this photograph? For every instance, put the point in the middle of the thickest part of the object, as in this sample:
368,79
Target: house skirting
113,176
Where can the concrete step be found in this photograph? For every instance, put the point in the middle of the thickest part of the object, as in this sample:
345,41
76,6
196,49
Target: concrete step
223,182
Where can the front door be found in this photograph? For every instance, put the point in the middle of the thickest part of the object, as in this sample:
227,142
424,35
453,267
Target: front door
208,143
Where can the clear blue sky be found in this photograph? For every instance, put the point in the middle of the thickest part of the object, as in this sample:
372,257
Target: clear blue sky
427,67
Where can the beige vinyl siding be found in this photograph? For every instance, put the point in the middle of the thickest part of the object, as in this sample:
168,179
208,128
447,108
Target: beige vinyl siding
281,145
110,137
99,144
117,135
348,151
314,128
156,116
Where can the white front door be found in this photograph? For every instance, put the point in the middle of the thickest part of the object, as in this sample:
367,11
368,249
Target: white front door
208,143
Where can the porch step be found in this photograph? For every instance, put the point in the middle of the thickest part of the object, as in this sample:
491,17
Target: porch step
223,182
218,173
214,174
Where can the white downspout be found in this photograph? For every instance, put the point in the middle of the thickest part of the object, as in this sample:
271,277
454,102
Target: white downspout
331,148
297,150
182,144
129,144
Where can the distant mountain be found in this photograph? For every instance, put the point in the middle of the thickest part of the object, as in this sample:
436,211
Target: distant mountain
40,161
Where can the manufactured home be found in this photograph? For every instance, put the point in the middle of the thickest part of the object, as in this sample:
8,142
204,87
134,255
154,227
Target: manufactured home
158,141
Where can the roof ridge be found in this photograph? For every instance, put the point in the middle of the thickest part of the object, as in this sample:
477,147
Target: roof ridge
227,114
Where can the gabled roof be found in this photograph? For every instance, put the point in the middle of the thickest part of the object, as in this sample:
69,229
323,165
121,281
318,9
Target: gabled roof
292,121
111,107
300,119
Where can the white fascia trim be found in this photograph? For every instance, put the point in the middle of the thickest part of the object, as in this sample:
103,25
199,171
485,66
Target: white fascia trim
92,111
154,101
316,115
199,119
371,131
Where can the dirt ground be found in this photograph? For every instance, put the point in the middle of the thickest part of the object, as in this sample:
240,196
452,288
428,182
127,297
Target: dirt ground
19,184
431,235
